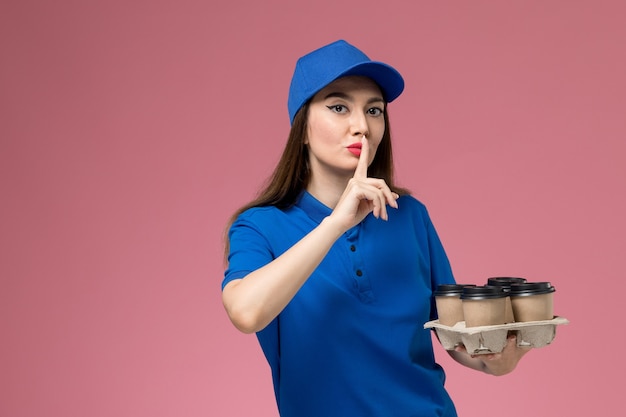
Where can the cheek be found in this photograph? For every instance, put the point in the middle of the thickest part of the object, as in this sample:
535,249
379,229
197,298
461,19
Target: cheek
378,129
376,136
320,132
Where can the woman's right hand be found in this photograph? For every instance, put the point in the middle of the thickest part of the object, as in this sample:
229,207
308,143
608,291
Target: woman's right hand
363,195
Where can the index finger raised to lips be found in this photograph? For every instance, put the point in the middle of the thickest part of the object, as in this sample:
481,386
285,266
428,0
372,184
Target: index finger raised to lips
361,168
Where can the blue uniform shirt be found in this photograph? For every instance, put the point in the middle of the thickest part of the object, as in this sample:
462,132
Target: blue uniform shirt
351,342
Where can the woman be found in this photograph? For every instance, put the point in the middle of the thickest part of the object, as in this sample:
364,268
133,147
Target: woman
333,266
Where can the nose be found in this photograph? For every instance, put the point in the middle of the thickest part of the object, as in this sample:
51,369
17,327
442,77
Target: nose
358,124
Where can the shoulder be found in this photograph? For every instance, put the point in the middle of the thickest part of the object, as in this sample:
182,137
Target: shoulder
411,200
258,213
411,203
269,218
269,227
414,210
256,218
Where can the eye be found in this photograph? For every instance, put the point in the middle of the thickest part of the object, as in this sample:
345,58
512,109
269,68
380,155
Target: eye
338,108
375,111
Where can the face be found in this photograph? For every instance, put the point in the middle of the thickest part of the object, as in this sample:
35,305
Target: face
339,115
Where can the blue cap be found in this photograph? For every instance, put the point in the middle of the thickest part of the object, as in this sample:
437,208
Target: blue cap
319,68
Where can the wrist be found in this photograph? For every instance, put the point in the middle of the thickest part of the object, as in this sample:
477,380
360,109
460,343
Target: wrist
332,227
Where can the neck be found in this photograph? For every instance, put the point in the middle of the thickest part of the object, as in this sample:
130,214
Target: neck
326,189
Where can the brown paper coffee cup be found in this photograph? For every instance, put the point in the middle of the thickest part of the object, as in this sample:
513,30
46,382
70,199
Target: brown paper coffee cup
448,302
449,310
532,301
533,307
484,306
505,283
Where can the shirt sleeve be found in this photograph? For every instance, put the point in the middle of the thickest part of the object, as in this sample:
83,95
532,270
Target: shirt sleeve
249,250
440,269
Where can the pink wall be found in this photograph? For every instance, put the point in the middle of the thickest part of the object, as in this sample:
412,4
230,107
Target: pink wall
129,131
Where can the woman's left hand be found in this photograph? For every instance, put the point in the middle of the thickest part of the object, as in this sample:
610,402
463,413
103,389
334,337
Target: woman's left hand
494,363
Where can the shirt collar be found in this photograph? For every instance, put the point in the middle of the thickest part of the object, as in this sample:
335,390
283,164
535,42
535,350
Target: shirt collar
314,208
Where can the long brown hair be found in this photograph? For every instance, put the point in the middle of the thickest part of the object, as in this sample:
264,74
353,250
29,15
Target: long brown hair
291,175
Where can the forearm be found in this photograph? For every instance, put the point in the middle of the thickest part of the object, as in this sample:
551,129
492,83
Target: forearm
253,302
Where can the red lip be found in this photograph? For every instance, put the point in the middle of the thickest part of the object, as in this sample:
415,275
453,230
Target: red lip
355,148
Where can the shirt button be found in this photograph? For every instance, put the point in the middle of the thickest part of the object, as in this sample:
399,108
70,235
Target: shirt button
359,273
352,248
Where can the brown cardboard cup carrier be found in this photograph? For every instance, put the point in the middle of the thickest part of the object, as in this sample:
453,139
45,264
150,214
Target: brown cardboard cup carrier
492,339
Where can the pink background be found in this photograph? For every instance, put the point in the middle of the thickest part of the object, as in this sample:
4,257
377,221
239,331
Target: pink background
131,130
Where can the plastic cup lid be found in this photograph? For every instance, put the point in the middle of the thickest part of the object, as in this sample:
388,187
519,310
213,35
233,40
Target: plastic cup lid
451,289
505,280
483,292
531,288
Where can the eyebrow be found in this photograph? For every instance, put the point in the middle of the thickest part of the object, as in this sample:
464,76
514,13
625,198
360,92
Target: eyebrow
348,97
